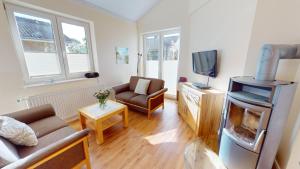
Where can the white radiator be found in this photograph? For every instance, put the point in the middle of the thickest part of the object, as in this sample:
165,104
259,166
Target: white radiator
66,103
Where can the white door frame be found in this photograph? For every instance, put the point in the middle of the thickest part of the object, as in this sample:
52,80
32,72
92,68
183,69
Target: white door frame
161,34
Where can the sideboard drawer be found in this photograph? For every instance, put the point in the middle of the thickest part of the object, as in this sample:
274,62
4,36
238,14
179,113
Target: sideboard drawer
191,96
194,98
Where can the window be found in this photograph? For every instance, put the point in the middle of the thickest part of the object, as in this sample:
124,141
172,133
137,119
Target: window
50,47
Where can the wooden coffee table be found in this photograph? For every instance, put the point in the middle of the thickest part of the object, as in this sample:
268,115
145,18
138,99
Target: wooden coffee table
103,118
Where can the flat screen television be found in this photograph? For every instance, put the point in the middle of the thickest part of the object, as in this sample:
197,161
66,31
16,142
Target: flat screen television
205,63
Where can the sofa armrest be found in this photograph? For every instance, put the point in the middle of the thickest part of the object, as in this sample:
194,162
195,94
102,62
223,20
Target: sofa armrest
157,93
121,88
33,114
47,151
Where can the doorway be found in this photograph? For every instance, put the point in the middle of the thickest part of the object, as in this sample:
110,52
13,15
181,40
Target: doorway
161,56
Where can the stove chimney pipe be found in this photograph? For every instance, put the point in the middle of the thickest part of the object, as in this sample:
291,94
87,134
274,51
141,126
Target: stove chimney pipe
269,59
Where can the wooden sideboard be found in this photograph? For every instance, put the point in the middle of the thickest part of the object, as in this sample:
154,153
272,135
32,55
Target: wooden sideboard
201,109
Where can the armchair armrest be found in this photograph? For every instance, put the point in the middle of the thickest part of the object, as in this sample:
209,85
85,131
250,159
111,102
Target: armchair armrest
34,114
121,88
47,151
157,93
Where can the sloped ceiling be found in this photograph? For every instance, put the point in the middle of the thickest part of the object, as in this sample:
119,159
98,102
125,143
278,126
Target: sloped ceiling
128,9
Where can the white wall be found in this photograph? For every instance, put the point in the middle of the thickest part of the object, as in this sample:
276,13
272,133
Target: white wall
237,29
225,26
110,32
205,25
276,22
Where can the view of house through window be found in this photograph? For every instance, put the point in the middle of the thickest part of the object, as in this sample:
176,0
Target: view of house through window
38,44
76,48
50,47
171,46
152,53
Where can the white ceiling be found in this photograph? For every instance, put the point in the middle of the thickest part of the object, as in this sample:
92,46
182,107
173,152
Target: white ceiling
129,9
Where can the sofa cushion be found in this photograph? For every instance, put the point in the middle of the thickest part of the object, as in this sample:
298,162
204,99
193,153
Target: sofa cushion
125,96
17,132
47,125
155,85
46,140
8,152
133,82
33,114
142,86
140,100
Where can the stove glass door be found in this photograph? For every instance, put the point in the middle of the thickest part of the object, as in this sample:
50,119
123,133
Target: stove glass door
246,123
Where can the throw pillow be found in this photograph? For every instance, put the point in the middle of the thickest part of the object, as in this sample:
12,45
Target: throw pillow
17,132
142,86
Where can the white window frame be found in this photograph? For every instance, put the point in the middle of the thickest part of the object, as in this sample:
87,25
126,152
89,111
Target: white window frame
56,21
60,20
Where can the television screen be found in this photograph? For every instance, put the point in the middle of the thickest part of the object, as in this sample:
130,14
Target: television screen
205,63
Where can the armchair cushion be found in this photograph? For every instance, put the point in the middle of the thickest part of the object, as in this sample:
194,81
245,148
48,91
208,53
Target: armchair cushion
125,96
140,100
47,125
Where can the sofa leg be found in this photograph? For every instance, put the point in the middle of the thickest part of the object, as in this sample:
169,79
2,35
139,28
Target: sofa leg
149,114
88,165
86,152
163,105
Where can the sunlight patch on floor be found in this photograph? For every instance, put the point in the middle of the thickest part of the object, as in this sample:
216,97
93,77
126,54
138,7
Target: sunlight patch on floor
214,159
163,137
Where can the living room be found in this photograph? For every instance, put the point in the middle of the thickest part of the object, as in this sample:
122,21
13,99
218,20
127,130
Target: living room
156,135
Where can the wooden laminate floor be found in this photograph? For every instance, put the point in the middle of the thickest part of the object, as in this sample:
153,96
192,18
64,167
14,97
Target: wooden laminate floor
158,143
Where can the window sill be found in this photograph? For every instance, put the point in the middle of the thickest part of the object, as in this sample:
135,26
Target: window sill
55,82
